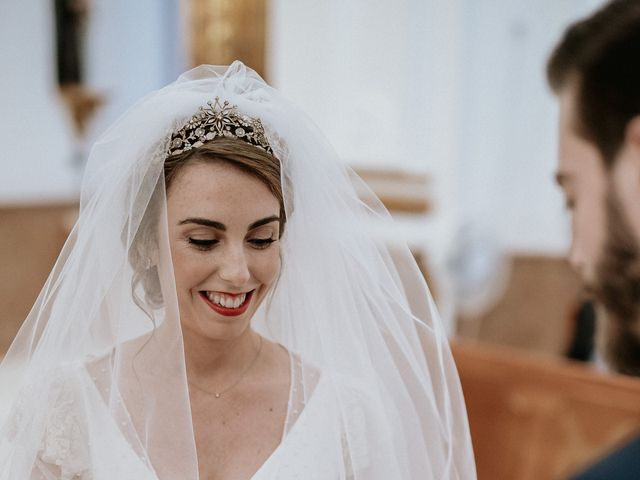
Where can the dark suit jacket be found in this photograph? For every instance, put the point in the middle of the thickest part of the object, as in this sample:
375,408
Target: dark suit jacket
622,464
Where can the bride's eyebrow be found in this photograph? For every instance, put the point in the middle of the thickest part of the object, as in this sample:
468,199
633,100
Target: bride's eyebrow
264,221
222,227
205,222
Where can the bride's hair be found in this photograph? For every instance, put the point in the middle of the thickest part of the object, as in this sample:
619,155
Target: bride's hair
250,159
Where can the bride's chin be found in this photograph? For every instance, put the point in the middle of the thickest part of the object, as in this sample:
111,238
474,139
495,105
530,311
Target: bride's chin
210,325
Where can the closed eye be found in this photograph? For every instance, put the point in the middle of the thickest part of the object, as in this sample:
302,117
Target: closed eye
203,244
261,243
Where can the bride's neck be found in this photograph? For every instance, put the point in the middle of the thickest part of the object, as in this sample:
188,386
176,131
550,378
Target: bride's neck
207,358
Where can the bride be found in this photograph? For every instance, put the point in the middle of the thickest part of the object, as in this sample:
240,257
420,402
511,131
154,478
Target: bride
222,310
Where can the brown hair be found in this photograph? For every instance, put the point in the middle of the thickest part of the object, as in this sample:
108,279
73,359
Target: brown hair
601,54
253,160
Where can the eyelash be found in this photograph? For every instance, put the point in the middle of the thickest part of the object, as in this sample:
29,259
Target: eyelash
202,244
261,243
258,243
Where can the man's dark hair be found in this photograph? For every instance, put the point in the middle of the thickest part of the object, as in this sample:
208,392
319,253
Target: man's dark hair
601,54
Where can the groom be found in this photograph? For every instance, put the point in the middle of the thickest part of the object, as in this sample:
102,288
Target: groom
595,73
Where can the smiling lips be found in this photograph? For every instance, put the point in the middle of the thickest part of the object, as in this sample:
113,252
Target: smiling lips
228,304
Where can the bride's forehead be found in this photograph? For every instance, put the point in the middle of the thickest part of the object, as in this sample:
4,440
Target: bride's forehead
219,183
213,176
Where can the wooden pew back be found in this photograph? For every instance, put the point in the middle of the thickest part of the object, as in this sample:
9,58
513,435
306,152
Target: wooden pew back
537,417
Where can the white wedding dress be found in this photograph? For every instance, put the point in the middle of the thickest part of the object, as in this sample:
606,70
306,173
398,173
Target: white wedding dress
82,441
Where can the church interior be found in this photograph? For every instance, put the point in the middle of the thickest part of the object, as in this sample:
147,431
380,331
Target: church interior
441,107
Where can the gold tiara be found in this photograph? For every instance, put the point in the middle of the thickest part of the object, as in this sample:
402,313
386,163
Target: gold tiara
218,120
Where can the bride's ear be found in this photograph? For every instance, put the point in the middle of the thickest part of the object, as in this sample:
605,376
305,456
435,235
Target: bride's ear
152,256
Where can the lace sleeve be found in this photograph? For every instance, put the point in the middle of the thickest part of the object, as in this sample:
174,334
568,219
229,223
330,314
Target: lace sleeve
64,450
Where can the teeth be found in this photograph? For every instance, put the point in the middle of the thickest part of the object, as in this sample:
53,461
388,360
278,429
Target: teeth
226,301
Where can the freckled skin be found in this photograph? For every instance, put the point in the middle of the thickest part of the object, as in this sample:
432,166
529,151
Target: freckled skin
237,432
225,194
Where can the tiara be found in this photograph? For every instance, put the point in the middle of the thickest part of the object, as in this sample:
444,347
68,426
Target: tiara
215,120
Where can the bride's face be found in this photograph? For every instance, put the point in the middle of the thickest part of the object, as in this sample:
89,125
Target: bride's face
224,240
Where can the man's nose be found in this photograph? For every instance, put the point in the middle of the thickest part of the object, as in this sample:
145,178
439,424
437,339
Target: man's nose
576,257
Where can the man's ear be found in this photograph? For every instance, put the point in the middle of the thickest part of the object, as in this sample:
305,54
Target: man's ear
626,176
632,133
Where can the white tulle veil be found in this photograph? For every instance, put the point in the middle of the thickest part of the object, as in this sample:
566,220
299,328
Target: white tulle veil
104,333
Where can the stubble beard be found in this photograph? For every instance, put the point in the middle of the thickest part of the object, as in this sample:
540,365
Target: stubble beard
617,290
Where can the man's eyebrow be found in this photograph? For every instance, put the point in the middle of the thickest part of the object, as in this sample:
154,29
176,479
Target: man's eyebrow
264,221
205,222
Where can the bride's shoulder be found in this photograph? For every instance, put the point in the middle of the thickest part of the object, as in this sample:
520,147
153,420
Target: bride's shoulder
54,392
64,442
50,407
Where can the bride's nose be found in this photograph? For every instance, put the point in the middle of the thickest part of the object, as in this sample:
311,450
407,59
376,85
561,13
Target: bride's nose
234,267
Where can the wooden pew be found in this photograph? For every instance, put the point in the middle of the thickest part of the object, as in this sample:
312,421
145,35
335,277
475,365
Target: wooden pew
537,310
31,237
540,417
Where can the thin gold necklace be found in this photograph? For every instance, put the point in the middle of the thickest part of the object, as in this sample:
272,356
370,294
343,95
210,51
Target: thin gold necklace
246,370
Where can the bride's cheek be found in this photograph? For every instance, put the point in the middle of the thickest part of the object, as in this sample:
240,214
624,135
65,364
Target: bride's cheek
270,266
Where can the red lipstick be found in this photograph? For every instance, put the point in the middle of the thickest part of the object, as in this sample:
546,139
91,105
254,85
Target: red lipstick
229,312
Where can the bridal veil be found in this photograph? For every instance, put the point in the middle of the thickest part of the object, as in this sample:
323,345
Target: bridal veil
95,380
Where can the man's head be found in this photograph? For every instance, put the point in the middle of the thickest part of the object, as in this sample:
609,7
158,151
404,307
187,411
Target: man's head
595,71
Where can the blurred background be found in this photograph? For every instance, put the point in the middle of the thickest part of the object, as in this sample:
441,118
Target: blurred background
440,105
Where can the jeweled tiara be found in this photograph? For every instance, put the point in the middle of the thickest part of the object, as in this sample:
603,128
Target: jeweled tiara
218,120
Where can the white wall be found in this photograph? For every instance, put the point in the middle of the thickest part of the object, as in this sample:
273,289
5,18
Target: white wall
133,47
380,79
455,88
507,116
357,68
34,131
